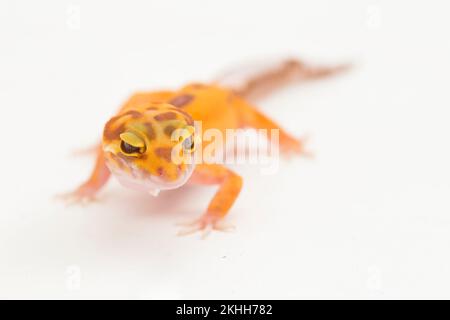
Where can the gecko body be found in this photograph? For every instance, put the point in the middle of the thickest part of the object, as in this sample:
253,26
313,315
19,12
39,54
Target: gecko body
139,141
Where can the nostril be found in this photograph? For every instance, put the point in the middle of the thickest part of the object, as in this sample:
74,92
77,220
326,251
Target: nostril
160,172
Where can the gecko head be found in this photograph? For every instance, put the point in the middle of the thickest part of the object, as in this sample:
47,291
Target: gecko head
150,148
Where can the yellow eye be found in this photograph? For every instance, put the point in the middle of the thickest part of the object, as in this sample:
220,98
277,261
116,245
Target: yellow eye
131,144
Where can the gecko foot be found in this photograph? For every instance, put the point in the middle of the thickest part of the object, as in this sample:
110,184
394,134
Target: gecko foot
83,195
205,224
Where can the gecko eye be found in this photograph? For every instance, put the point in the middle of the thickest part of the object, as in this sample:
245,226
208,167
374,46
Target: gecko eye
188,144
129,149
131,144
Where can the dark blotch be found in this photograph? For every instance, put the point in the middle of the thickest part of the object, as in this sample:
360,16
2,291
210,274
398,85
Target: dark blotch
169,130
186,115
133,113
181,101
166,116
110,133
150,131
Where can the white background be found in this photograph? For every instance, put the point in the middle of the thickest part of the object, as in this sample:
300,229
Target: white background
368,218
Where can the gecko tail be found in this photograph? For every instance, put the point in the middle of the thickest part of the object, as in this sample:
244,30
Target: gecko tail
254,83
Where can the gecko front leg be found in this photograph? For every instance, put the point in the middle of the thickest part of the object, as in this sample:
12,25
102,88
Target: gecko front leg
230,185
87,191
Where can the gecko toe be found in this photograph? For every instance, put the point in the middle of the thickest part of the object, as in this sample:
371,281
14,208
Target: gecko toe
205,225
78,197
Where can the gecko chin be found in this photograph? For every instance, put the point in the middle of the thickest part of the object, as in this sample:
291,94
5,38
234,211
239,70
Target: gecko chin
131,176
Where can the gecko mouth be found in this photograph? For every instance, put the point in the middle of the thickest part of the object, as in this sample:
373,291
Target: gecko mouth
133,177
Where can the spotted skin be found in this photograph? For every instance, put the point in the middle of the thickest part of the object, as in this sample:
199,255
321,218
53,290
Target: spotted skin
150,122
147,123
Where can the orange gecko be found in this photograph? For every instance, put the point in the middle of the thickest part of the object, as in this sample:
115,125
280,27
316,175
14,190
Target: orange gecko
138,142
